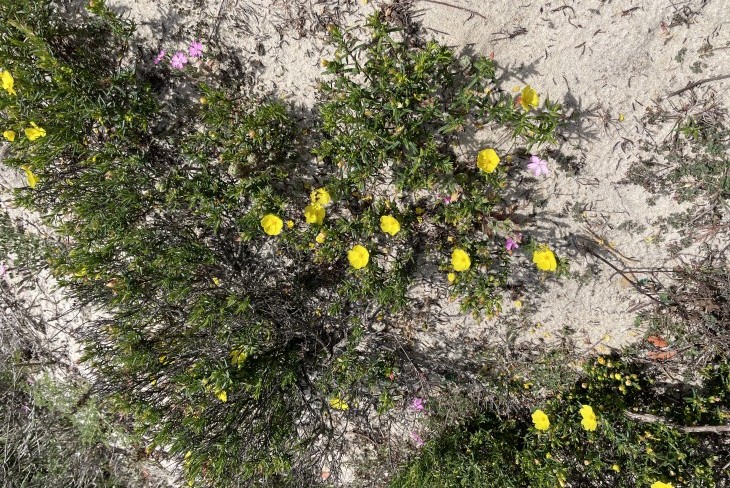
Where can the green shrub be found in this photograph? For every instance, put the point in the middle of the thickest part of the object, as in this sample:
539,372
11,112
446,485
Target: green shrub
393,112
510,451
230,330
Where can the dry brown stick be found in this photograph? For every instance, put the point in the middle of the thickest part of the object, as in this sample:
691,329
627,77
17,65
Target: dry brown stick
652,419
455,6
696,84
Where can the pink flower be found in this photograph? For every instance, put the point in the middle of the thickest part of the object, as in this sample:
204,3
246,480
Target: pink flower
512,244
159,57
195,49
417,439
179,60
417,404
538,166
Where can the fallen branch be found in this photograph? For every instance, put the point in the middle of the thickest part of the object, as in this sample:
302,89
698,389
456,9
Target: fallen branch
653,419
696,84
472,12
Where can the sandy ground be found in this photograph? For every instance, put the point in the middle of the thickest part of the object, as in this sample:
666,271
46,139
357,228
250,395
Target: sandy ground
608,62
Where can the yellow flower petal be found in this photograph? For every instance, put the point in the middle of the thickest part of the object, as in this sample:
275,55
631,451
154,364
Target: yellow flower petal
30,176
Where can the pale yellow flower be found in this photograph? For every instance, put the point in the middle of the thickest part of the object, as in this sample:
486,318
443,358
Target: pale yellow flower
9,135
320,196
389,225
544,259
540,420
321,237
272,224
589,421
460,260
358,257
34,132
338,404
529,98
487,160
31,177
451,277
314,214
8,82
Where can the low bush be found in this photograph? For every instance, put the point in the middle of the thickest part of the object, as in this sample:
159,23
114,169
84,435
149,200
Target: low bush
233,279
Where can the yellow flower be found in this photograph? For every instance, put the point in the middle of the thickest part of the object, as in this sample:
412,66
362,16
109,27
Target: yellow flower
544,259
589,418
389,225
487,160
222,396
529,98
289,224
616,468
358,257
8,82
460,260
540,420
272,224
320,196
451,277
338,404
659,484
314,214
9,135
34,132
216,281
32,178
321,237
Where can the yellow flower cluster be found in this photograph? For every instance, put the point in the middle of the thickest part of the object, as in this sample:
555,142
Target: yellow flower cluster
32,133
589,422
314,213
